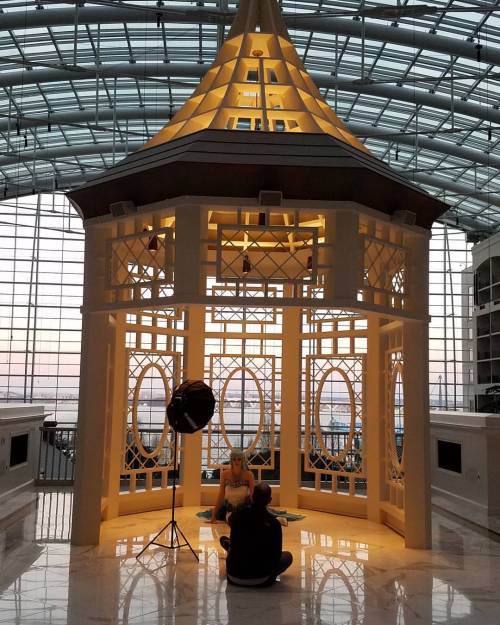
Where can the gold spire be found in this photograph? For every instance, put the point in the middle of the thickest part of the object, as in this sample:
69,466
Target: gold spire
257,82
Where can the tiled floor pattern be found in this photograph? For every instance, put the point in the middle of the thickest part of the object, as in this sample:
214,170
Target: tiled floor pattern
345,572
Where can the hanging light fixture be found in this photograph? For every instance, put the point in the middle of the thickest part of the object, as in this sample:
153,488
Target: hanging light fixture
246,266
152,242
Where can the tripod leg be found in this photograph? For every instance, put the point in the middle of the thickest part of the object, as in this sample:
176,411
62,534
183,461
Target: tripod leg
178,529
164,528
175,530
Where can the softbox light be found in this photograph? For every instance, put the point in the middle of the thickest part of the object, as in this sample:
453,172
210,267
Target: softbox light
191,407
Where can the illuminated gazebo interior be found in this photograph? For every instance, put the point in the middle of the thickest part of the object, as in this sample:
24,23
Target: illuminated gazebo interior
255,243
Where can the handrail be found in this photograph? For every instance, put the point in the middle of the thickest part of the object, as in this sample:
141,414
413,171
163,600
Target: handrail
57,457
57,454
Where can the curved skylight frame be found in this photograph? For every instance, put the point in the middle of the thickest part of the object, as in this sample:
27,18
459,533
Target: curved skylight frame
144,60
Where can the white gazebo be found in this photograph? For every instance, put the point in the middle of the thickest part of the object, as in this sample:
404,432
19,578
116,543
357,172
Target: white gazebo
255,243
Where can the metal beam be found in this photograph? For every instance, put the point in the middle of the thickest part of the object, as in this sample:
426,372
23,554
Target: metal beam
405,36
88,72
80,117
433,145
490,198
52,154
43,184
195,70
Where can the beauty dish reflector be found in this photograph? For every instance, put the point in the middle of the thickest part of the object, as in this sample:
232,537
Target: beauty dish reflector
191,407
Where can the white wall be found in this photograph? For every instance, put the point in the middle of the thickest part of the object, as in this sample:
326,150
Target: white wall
473,494
15,420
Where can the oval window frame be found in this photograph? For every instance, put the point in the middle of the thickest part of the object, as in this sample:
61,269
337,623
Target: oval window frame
317,423
258,386
398,464
135,403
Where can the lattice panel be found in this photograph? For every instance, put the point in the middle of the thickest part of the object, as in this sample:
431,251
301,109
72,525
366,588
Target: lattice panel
244,387
261,315
171,314
394,422
334,316
385,273
143,261
285,254
334,412
149,444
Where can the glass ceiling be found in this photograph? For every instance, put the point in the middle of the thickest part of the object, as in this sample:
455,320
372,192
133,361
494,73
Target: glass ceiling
84,83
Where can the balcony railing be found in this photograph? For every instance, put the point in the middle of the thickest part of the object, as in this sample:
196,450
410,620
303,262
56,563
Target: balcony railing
57,456
56,460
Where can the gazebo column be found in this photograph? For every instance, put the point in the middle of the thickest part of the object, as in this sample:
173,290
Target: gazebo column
344,249
416,441
374,448
192,443
92,412
116,417
190,230
97,333
290,446
113,458
416,402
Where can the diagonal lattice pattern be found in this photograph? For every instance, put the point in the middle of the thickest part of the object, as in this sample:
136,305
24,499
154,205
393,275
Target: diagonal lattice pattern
340,319
243,384
267,254
261,315
384,273
141,261
150,452
334,415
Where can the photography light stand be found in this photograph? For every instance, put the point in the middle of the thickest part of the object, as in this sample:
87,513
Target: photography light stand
172,527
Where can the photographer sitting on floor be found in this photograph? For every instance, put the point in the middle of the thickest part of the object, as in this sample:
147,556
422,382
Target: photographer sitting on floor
254,548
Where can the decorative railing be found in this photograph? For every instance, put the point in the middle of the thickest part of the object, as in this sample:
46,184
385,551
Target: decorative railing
56,460
57,456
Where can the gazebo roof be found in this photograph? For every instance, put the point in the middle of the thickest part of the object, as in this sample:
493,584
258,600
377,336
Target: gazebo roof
256,122
256,82
222,163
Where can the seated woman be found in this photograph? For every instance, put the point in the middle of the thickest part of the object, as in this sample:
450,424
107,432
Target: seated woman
236,486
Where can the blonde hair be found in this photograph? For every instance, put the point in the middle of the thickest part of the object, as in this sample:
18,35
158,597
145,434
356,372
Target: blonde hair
238,453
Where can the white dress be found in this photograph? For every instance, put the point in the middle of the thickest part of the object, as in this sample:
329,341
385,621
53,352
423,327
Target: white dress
236,492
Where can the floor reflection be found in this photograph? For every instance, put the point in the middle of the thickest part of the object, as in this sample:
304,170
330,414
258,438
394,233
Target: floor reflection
353,573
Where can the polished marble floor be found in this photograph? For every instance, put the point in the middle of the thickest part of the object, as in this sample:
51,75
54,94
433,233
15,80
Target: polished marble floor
345,572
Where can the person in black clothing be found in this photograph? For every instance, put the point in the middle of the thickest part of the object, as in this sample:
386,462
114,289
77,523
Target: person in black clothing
255,556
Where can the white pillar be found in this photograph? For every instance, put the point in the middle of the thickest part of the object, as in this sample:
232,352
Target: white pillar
192,443
92,409
93,397
342,233
115,422
417,435
374,448
190,229
190,252
290,409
